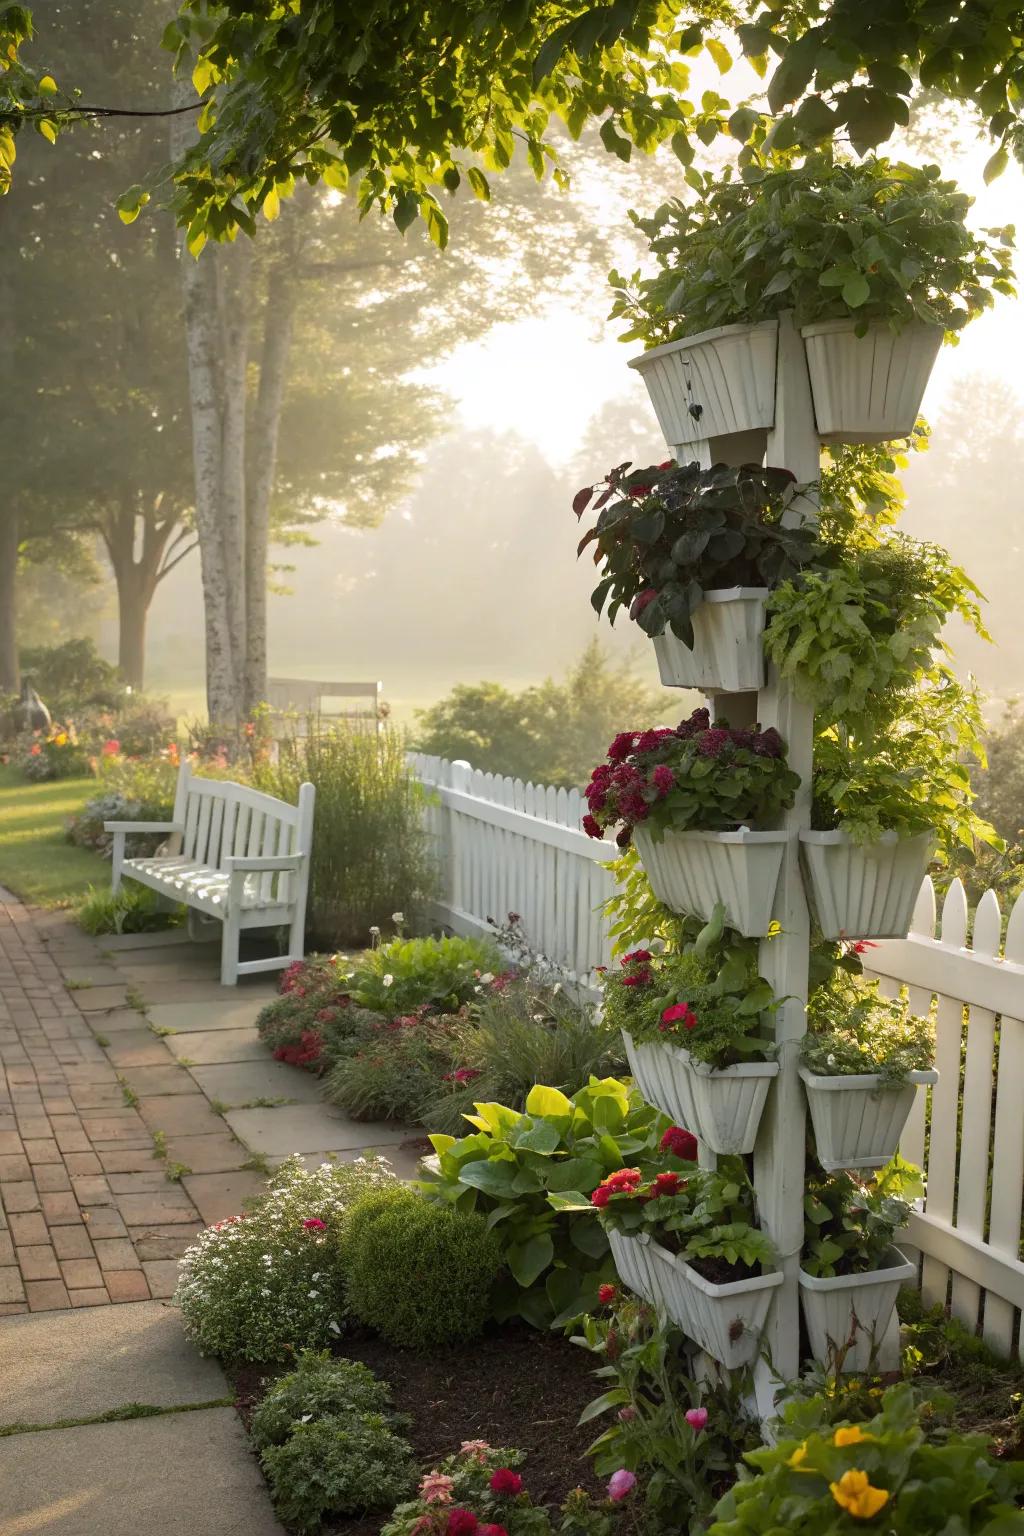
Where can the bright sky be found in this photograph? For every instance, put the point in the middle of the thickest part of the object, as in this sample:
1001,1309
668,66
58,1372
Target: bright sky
497,385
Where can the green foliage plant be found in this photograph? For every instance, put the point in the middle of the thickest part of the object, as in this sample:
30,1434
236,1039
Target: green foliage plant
266,1284
515,1163
680,1438
388,1069
852,1028
333,1467
319,1387
882,1473
132,909
707,1218
71,675
55,754
697,776
371,853
421,1273
405,974
828,239
850,1224
665,535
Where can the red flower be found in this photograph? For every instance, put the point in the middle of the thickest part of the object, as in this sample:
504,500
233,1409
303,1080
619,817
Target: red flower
641,601
647,741
592,827
462,1522
314,1224
504,1480
640,956
606,1294
111,748
682,1144
492,1530
680,1013
638,979
667,1184
698,721
622,746
668,464
601,1196
714,742
769,743
664,779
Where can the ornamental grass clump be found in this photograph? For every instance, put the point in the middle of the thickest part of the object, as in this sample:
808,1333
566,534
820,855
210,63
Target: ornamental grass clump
319,1388
263,1285
852,1028
698,776
888,1473
418,1273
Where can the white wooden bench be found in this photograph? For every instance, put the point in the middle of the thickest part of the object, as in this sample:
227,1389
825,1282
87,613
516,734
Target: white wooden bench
232,853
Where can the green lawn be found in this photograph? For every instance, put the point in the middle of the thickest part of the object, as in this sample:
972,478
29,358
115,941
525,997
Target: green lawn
35,861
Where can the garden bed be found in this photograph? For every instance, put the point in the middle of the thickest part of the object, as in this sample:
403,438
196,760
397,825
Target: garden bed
513,1387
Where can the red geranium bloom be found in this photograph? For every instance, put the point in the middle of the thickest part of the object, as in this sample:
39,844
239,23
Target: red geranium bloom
667,1184
681,1143
602,1194
606,1294
680,1013
462,1522
622,746
314,1224
504,1480
639,955
592,827
492,1530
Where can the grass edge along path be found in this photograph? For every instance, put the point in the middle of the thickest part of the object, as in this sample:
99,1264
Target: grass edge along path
36,861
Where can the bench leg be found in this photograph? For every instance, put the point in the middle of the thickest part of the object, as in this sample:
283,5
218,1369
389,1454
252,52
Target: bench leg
297,938
116,861
229,951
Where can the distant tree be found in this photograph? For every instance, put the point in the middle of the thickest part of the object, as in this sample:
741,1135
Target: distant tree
553,733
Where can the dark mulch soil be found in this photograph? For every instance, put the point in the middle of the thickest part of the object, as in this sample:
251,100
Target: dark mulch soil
515,1387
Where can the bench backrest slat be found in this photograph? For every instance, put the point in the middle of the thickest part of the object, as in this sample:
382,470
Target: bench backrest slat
224,819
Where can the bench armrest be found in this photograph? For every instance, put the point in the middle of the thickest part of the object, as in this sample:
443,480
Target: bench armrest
260,865
143,826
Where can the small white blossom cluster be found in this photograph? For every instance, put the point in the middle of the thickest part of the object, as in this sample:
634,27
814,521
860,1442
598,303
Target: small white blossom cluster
257,1286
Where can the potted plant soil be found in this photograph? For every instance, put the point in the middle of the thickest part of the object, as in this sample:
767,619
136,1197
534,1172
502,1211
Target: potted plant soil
698,802
696,1050
692,556
851,1270
873,258
862,1061
713,1268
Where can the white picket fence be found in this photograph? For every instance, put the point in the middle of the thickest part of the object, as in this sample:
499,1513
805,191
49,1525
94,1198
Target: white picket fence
507,847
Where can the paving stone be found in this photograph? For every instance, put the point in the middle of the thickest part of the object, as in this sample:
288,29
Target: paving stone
60,1208
97,1096
82,1162
117,943
83,976
6,1249
14,1170
91,1189
123,1126
216,1153
63,1368
71,1242
149,1082
103,1221
126,1159
101,999
46,1295
126,1285
161,1276
153,1177
216,1195
157,994
27,1229
80,1274
181,1474
162,1205
10,1144
219,1014
180,1114
114,1024
310,1128
236,1083
52,1176
164,1242
115,1253
42,1152
13,1308
91,1298
38,1262
34,1127
11,1285
137,1048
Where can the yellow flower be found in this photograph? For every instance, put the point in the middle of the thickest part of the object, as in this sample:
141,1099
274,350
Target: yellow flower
850,1434
854,1493
61,739
799,1455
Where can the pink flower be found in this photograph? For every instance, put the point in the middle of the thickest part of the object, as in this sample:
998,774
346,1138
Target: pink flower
663,778
682,1144
713,742
504,1480
314,1224
620,1485
696,1418
626,1415
492,1530
474,1449
462,1522
436,1488
111,748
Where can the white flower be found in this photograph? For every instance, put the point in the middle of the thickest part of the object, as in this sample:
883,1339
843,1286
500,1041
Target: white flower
333,1327
398,917
388,981
538,1018
305,1418
312,1295
485,978
375,930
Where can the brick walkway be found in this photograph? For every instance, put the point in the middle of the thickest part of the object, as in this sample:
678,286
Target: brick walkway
88,1214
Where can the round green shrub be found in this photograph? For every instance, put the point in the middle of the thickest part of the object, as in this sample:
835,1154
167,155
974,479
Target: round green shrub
319,1388
263,1285
334,1466
420,1274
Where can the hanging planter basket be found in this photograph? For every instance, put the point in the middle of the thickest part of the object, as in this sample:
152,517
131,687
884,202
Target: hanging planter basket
868,389
634,1263
860,1305
865,891
727,654
708,385
858,1122
692,871
722,1107
726,1321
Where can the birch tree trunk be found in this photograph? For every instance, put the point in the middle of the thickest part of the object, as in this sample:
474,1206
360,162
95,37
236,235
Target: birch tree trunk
233,308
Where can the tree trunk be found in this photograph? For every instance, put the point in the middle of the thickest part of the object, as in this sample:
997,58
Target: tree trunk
233,300
277,336
133,607
10,676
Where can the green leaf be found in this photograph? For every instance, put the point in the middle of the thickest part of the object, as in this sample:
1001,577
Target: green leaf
548,1102
613,140
479,183
529,1260
720,54
996,165
798,64
613,1399
856,291
437,224
406,210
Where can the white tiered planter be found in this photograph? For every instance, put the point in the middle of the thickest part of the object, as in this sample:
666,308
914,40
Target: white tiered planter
634,1264
868,389
725,1320
727,654
858,1123
722,1108
834,1308
865,891
693,871
720,381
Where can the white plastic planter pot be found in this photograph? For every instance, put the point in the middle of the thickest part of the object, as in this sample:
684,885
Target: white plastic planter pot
634,1264
720,381
722,1108
725,1320
858,1123
868,389
852,1305
727,654
692,871
864,891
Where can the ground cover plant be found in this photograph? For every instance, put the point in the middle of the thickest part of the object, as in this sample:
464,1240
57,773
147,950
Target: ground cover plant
35,860
852,1028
